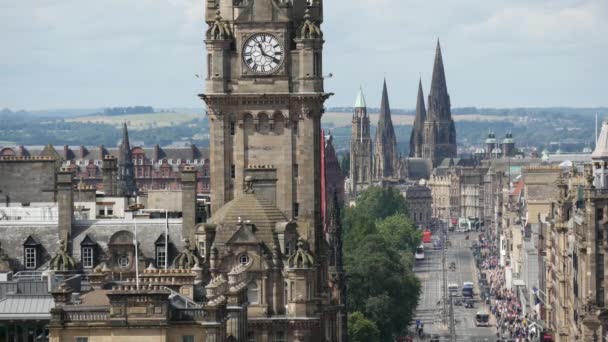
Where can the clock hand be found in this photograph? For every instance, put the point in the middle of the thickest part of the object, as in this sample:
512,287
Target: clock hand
262,50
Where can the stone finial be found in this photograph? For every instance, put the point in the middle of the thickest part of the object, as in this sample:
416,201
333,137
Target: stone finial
186,260
219,30
309,29
302,258
248,185
62,261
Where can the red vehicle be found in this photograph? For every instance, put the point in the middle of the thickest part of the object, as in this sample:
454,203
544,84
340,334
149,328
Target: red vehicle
427,237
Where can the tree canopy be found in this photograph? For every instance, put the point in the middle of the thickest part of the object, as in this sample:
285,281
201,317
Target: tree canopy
379,239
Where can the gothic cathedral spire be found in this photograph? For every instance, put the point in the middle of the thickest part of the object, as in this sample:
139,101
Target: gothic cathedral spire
439,129
385,154
417,137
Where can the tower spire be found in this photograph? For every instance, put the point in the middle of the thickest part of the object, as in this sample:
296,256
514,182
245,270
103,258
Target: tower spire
385,154
417,137
126,173
360,102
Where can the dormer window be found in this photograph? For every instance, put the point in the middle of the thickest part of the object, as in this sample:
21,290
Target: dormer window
87,252
31,251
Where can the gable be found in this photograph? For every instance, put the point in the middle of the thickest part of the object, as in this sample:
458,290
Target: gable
243,236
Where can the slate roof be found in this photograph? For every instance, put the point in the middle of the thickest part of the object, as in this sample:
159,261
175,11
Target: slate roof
29,307
247,207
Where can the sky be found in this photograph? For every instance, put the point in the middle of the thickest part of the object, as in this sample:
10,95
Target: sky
497,53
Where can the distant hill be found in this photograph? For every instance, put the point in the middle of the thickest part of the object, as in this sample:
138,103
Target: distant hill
140,121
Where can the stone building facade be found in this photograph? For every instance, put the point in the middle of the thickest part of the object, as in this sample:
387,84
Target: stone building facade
419,204
154,168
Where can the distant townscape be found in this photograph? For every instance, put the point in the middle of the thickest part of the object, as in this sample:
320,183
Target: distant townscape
265,216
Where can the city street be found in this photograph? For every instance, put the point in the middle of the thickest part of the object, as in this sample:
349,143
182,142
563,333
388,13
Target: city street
429,310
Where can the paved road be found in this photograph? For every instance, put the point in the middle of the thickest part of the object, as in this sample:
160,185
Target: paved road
430,273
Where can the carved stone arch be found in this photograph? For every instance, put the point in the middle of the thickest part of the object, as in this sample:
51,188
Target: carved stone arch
278,120
263,123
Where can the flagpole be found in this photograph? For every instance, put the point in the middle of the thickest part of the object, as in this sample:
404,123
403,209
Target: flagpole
136,256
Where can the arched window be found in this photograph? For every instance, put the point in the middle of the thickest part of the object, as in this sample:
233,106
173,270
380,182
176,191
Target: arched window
263,123
253,293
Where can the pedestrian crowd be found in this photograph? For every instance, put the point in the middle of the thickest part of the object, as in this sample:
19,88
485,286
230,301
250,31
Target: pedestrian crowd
504,306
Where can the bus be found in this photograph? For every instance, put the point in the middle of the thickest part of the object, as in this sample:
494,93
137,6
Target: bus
427,236
419,255
482,319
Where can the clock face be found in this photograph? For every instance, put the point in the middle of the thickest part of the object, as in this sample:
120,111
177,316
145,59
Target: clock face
263,54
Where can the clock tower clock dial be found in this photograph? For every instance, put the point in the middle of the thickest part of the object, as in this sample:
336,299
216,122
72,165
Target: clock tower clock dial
263,53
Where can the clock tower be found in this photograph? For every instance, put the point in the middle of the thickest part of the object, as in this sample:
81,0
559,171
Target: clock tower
264,95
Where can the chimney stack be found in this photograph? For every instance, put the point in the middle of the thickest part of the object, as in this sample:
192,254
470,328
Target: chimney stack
109,170
65,202
189,184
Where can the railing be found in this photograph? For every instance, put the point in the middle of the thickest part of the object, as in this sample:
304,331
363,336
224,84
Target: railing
188,314
86,314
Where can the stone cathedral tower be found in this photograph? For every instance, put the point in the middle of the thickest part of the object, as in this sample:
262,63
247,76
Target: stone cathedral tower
439,129
385,143
360,148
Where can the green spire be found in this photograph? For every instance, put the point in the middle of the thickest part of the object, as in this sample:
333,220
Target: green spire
360,102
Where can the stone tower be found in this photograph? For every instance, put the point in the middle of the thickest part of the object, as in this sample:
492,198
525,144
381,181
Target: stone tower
125,185
417,137
385,152
360,148
439,129
264,96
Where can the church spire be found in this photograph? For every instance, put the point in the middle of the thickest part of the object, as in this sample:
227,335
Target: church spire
360,102
385,154
126,173
439,99
416,139
440,131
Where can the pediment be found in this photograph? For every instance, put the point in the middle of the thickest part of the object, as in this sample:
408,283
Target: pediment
243,236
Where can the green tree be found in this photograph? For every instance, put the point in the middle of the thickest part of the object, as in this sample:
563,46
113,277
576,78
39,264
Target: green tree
361,329
379,239
399,231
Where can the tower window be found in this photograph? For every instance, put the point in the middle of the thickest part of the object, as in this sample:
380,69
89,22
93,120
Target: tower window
209,65
188,338
232,171
232,127
280,336
295,128
296,171
296,210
